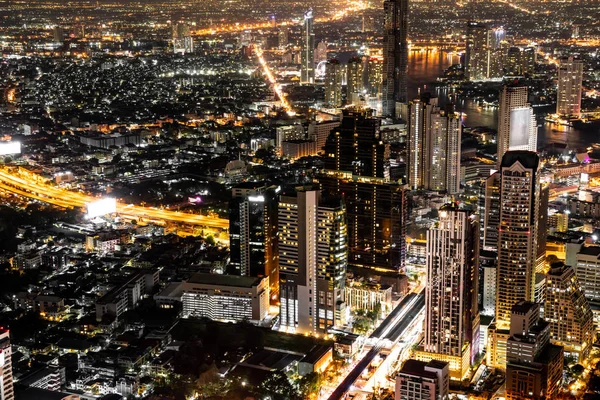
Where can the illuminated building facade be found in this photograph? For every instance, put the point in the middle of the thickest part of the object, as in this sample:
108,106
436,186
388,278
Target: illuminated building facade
535,366
307,57
356,169
395,55
253,232
6,375
568,312
313,256
451,304
334,75
517,245
517,129
570,78
433,147
354,78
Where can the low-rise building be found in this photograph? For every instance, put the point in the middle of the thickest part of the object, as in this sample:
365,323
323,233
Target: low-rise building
420,380
226,297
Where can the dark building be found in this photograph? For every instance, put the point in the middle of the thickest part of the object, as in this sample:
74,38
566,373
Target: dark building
253,232
356,169
395,54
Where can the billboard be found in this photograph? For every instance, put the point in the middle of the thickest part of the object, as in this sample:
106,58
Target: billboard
7,148
104,206
520,128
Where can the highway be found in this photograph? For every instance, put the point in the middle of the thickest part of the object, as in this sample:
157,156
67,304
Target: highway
391,329
34,187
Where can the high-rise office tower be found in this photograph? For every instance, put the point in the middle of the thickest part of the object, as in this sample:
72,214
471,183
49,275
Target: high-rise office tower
433,146
283,37
568,312
476,57
570,78
528,60
395,55
334,75
354,78
6,376
183,43
517,129
517,244
451,303
307,58
253,232
313,259
490,212
356,168
535,367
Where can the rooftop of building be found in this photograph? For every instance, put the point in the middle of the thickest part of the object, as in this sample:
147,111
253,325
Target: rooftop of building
225,280
523,307
528,159
590,251
417,368
316,353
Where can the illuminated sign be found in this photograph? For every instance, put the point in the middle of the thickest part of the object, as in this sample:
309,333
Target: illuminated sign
10,148
104,206
520,128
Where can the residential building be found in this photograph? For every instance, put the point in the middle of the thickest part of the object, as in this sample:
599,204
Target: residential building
334,75
517,245
451,304
434,138
568,312
534,365
313,255
419,380
570,79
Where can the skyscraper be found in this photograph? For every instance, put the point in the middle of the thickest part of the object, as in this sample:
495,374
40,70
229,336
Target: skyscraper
355,78
307,57
356,168
570,78
535,367
476,60
334,74
434,138
313,259
568,312
451,303
517,129
253,232
6,376
517,244
395,54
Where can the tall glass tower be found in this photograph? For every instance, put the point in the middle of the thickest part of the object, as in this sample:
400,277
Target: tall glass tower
395,54
308,49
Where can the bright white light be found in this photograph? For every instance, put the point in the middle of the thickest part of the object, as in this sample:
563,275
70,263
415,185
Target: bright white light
10,148
107,205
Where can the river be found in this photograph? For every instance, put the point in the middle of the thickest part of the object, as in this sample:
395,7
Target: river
425,66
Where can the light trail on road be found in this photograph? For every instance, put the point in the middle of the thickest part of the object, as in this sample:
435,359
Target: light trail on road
34,188
276,87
